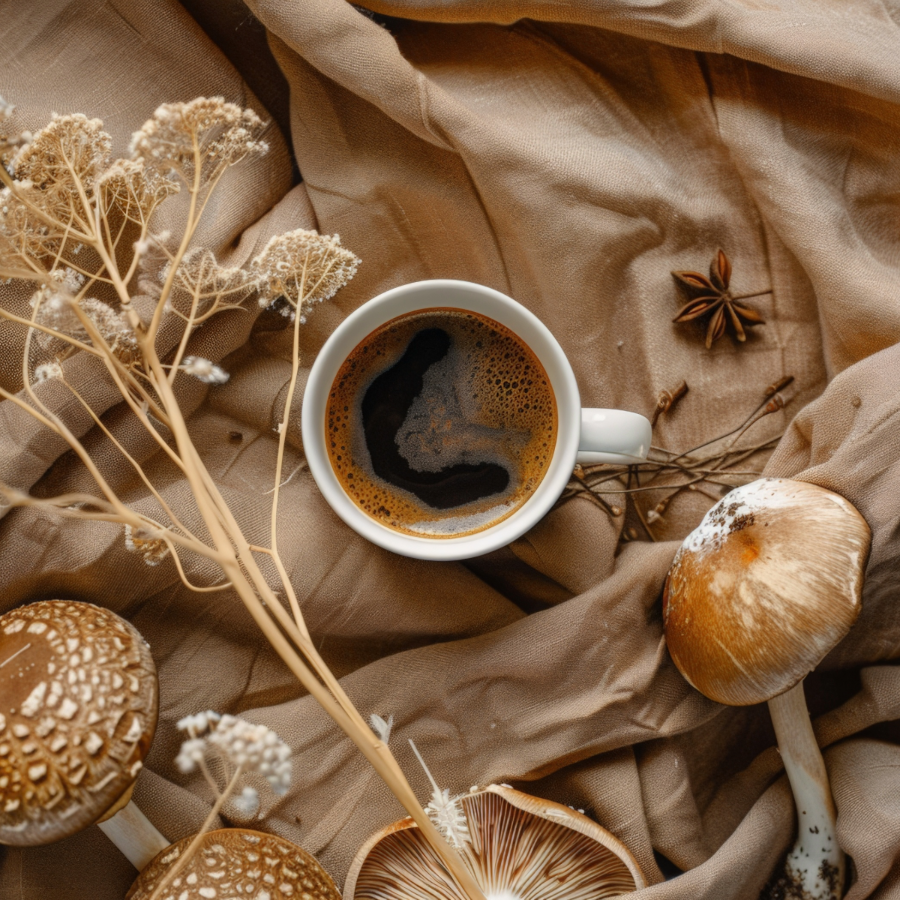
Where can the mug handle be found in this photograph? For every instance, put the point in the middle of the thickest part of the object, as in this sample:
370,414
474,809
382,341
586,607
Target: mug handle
613,436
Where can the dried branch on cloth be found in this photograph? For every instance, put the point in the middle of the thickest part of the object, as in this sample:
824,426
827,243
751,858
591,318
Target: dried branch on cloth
78,226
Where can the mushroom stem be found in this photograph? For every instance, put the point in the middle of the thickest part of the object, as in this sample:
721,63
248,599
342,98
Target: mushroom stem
134,834
815,865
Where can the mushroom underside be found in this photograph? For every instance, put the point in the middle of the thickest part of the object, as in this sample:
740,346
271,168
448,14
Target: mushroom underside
513,853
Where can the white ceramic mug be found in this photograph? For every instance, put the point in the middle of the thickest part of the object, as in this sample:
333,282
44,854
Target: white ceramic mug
583,435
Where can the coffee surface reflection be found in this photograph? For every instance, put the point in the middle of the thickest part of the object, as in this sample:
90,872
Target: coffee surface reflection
441,423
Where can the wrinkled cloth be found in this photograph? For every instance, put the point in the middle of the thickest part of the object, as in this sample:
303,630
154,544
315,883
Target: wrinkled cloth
571,154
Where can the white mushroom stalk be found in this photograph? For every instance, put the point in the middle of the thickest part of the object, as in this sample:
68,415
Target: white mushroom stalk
79,706
136,837
758,594
815,865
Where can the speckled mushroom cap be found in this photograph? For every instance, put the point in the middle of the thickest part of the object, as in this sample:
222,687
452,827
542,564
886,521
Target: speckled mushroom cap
766,585
521,846
238,863
78,706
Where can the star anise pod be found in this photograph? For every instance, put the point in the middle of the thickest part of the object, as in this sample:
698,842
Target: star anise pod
712,297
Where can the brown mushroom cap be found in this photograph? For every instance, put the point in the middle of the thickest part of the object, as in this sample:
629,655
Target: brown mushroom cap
521,847
766,585
78,706
237,862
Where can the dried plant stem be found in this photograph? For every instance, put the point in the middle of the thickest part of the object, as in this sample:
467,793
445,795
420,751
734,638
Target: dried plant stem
235,557
714,468
52,332
79,207
282,440
133,462
173,872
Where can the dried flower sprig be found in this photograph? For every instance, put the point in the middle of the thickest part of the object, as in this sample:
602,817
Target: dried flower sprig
243,747
198,140
300,269
674,472
444,810
204,370
78,226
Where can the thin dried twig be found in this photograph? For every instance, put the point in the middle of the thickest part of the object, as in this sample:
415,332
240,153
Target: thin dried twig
720,468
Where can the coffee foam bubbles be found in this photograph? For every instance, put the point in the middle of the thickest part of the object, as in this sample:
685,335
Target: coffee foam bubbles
487,401
442,427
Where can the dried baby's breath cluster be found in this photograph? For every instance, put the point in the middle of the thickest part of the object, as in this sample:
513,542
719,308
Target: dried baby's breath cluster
300,269
244,746
78,225
204,370
198,140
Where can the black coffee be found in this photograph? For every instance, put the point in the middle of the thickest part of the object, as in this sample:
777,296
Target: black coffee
441,423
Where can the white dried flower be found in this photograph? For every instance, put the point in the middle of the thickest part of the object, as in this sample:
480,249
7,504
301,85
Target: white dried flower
223,133
6,109
243,744
445,812
304,268
56,308
201,281
449,819
114,328
134,189
190,755
46,371
150,546
53,308
382,727
69,148
198,722
204,370
247,802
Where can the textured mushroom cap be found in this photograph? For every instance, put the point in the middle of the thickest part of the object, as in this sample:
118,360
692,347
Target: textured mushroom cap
78,705
522,848
238,863
766,585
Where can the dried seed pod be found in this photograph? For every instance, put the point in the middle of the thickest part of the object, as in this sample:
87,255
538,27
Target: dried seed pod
517,846
233,862
77,716
757,595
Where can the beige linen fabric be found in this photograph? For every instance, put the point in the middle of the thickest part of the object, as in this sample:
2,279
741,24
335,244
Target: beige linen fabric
571,160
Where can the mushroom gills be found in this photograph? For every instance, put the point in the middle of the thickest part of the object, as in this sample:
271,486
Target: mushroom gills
519,848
